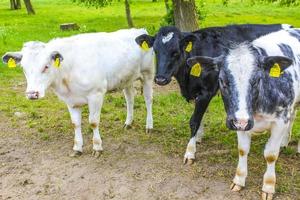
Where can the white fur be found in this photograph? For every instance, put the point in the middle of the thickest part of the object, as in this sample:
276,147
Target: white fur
92,65
286,26
191,147
241,64
167,38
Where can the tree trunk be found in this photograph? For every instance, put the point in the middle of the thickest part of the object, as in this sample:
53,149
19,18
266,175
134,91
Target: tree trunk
13,5
29,7
128,14
185,15
18,4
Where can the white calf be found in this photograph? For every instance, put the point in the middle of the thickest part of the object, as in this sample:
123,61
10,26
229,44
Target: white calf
82,68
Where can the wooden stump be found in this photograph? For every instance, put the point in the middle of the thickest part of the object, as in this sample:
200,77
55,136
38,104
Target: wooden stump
69,26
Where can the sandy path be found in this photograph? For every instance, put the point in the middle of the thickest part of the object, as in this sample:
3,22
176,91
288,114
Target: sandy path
34,169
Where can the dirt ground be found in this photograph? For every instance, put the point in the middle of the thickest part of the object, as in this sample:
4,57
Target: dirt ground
37,169
43,170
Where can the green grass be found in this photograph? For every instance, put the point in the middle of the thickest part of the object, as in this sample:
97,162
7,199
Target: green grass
48,118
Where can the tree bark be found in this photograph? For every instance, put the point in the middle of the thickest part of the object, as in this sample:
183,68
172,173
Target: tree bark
29,7
185,16
128,14
18,4
13,5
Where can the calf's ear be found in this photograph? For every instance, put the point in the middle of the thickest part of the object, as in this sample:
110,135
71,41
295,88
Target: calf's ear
275,65
12,59
145,41
208,61
57,58
198,62
187,42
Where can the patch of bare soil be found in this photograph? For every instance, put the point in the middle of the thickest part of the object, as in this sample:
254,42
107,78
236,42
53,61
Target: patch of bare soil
36,169
171,87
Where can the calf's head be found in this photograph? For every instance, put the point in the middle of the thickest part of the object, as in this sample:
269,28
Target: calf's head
203,76
170,47
240,73
39,67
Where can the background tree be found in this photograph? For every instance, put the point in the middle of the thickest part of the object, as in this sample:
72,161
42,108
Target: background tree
15,4
102,3
29,7
128,14
185,15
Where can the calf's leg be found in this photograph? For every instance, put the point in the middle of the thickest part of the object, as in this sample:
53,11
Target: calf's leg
200,133
95,102
244,141
75,114
129,96
287,137
271,153
201,104
147,90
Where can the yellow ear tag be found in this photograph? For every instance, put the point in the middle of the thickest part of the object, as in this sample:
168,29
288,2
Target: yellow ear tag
145,46
189,47
11,63
57,63
275,71
196,70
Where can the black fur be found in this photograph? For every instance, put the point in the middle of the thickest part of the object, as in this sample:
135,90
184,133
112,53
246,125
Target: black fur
172,57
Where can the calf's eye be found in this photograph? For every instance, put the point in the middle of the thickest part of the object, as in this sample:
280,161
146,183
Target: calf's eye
175,54
45,69
223,83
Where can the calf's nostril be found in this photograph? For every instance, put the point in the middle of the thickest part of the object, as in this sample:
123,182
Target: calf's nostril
241,124
160,80
32,95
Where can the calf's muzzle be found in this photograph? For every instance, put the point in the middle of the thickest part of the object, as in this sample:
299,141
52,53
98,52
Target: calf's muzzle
161,80
239,124
32,95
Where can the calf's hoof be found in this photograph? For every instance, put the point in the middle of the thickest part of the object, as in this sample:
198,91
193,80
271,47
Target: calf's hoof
148,130
188,161
235,188
75,154
96,154
266,196
127,126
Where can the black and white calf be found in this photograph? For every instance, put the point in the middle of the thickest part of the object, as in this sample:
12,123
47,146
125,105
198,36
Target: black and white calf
260,86
173,48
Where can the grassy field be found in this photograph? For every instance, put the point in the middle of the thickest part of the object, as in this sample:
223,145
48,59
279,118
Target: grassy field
49,117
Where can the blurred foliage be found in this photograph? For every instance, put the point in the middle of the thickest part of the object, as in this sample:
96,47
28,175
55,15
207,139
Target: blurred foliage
95,3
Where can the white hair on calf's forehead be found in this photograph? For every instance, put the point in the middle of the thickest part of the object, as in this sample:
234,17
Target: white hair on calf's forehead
34,44
167,38
241,63
239,56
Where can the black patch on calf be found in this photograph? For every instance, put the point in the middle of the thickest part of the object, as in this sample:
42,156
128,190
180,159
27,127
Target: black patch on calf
274,93
229,93
295,33
270,93
287,51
